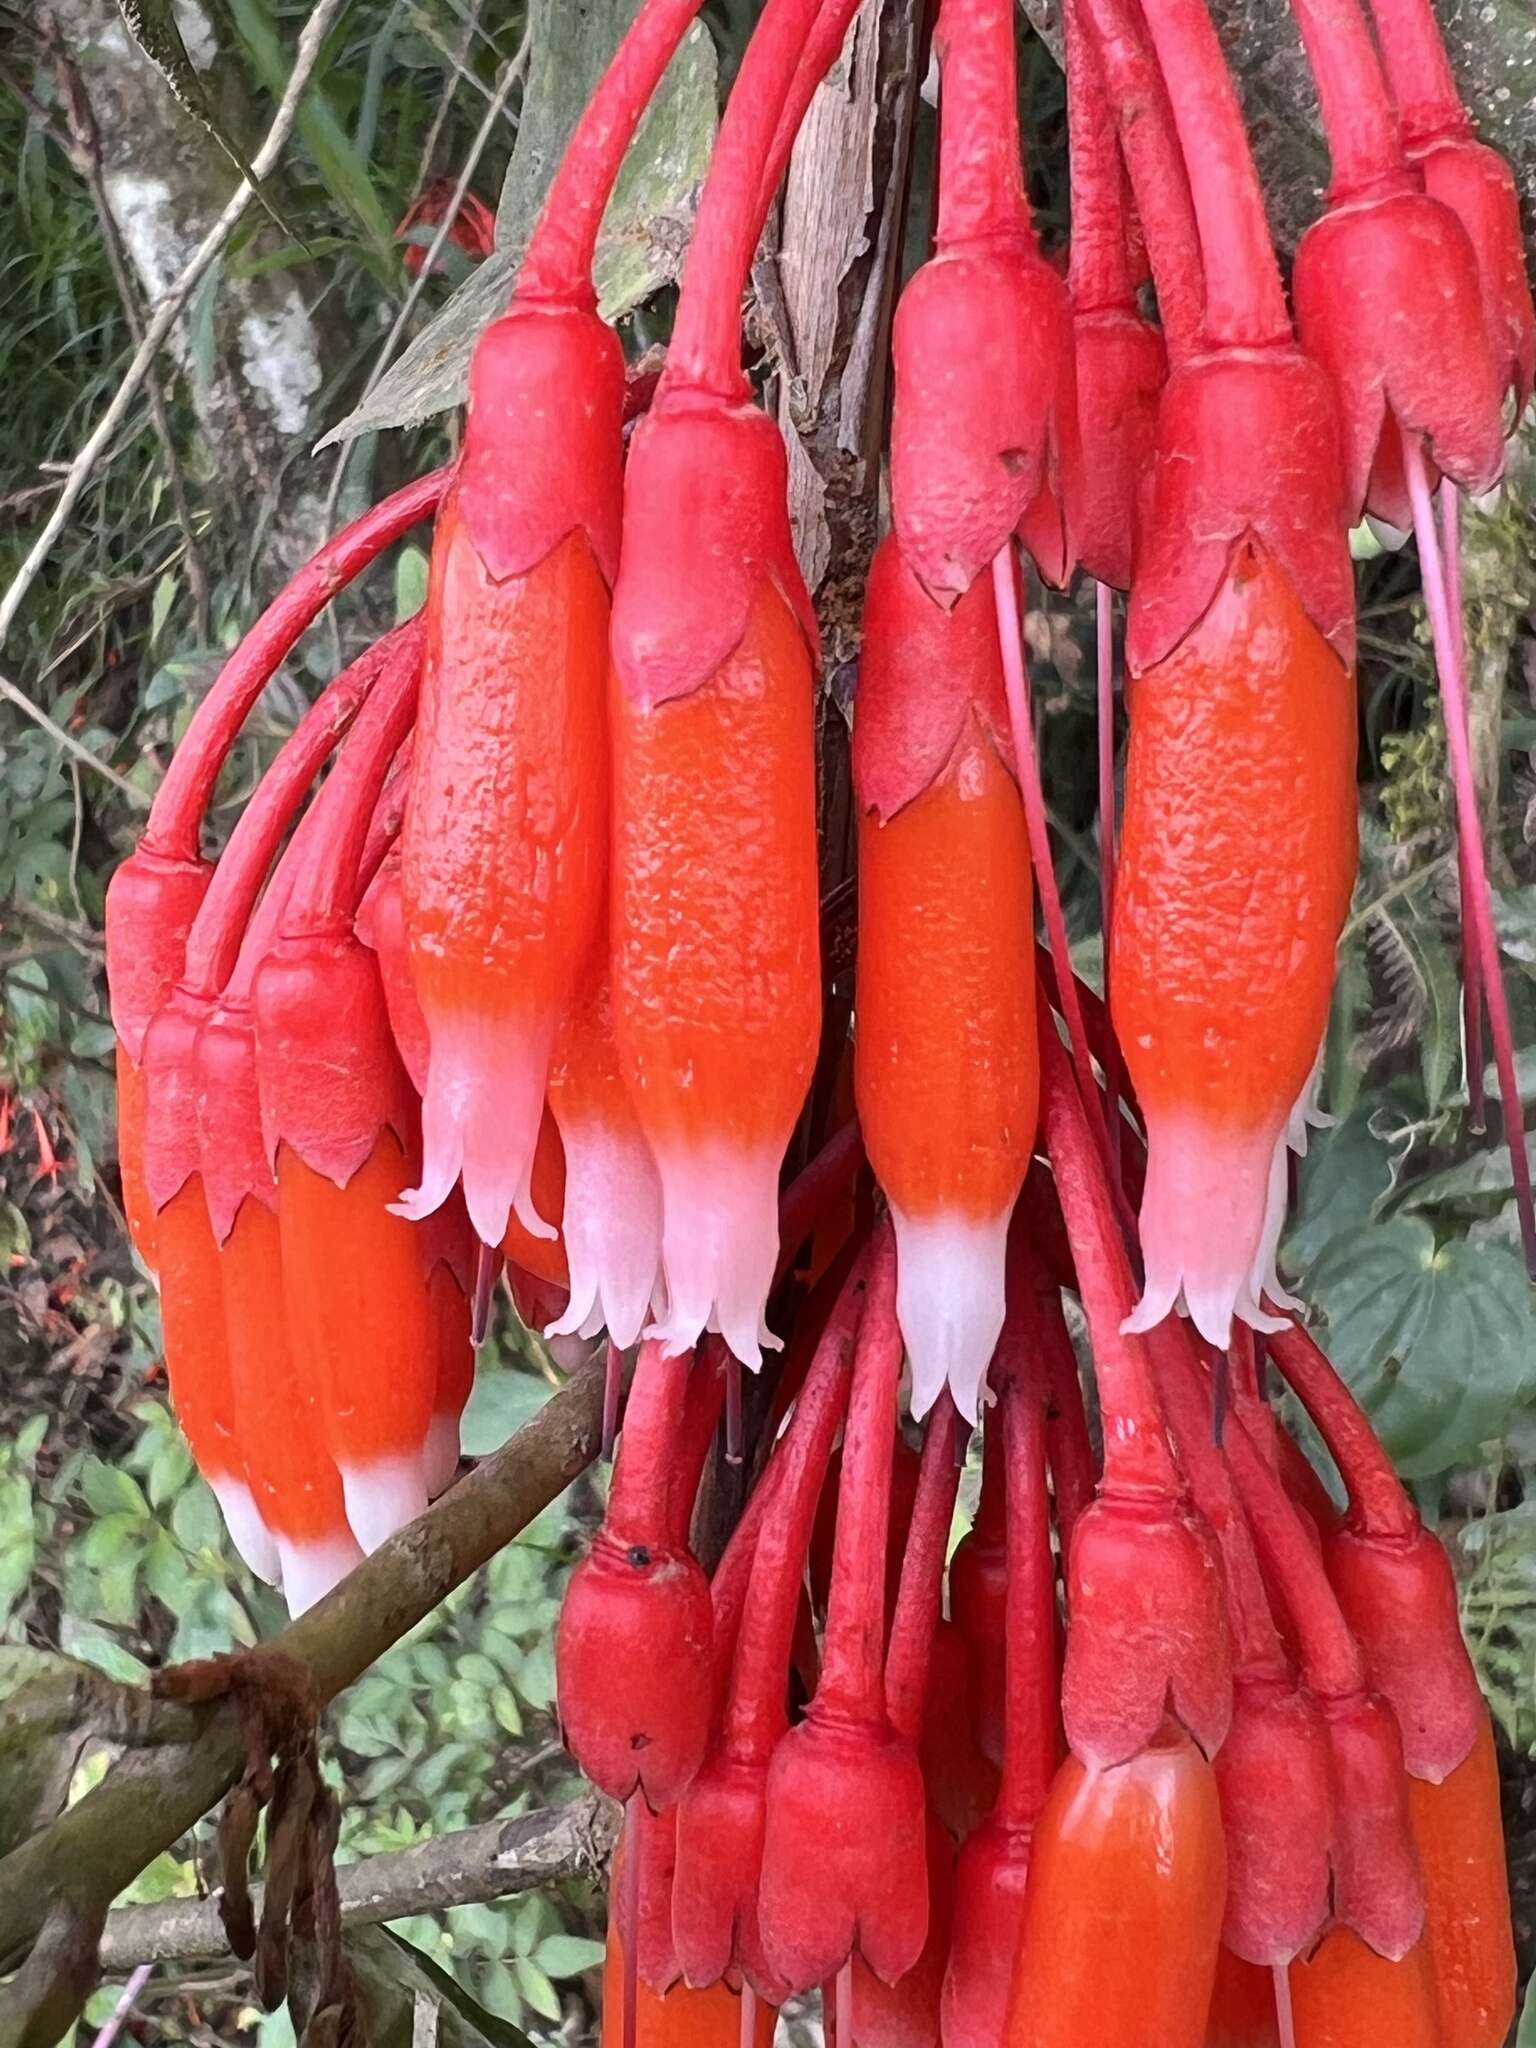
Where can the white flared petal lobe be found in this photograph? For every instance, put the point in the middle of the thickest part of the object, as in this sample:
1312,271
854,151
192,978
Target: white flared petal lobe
951,1277
247,1531
1308,1115
1264,1277
719,1246
1202,1223
383,1496
612,1231
480,1122
311,1569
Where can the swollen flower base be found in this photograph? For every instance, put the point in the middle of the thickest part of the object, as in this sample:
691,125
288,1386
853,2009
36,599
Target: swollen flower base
512,967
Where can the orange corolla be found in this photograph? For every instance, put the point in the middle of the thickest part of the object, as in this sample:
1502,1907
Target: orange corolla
295,1482
1460,1839
137,1207
1347,1996
449,1307
198,1367
716,976
351,1267
505,849
1237,865
679,2018
543,1256
946,1070
1122,1919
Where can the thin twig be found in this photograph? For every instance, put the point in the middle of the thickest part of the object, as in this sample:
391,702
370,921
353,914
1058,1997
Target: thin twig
458,70
124,2006
515,68
429,31
469,1867
67,741
166,314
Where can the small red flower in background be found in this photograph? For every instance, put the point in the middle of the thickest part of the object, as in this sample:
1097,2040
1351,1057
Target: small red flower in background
473,230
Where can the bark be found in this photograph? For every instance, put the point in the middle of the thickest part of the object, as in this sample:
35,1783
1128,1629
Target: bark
257,372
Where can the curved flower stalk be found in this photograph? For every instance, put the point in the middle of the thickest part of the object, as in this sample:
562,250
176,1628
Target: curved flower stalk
993,1870
1239,645
945,1051
844,1848
715,970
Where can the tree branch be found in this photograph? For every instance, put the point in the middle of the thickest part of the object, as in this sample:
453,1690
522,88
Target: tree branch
471,1867
152,1797
164,318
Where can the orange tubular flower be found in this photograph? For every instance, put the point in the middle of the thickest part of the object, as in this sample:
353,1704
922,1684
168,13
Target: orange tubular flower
1347,1996
1466,1887
1242,2005
506,836
1122,1918
947,1072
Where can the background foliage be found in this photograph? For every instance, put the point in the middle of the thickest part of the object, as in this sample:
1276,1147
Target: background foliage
110,1547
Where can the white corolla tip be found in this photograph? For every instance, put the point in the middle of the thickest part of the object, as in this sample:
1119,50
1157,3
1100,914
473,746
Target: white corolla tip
1202,1226
1308,1115
720,1243
312,1568
480,1118
951,1279
247,1531
1264,1276
383,1496
612,1231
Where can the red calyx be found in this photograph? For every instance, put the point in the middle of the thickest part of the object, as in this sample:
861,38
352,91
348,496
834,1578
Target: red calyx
1277,1809
1388,301
927,674
984,399
633,1648
844,1864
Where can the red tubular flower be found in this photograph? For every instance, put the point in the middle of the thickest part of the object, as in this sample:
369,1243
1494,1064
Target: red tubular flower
945,1051
716,984
721,1816
1460,1839
1392,1577
1122,1919
632,1653
1387,293
993,1870
844,1856
506,836
984,404
1465,175
1144,1590
906,2014
611,1224
1239,640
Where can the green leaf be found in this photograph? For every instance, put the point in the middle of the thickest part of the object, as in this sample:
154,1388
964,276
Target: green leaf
109,1490
568,1955
645,227
536,1988
502,1401
1526,2037
410,582
196,1520
1438,1343
1346,1172
408,1998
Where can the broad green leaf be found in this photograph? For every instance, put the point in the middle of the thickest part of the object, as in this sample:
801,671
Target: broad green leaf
567,1955
1526,2037
639,249
536,1988
1346,1172
1438,1342
1471,1180
409,1999
111,1491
